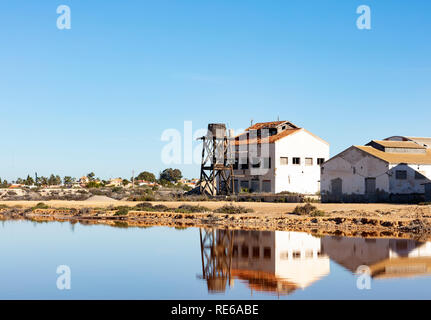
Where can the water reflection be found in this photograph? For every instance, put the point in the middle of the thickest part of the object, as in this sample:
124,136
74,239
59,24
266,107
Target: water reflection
386,258
282,262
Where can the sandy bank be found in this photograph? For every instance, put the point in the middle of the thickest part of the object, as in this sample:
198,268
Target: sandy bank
365,220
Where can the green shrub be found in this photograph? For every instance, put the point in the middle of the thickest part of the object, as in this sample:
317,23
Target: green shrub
308,210
146,206
122,211
231,209
40,205
188,208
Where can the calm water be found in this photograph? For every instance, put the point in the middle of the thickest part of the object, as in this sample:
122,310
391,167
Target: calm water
166,263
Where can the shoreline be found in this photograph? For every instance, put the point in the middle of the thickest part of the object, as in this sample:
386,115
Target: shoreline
352,220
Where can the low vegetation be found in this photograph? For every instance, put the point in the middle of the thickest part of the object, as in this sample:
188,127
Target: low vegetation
122,211
231,209
185,208
40,205
308,210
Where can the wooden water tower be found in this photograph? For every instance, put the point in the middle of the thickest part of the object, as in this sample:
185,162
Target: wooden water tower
216,254
217,162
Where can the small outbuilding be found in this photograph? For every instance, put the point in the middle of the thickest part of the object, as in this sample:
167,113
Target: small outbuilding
393,170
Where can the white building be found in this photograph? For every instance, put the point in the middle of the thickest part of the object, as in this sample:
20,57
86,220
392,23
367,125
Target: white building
386,258
278,157
279,262
396,169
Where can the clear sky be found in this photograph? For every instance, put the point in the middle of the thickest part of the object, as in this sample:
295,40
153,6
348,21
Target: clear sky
98,97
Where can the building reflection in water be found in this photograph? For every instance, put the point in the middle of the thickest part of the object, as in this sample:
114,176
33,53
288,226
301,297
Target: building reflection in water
386,258
281,262
274,262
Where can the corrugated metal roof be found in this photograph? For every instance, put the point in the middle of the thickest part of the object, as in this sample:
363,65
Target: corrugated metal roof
395,158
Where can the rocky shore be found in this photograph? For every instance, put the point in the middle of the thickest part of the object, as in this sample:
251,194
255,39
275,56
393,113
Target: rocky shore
392,221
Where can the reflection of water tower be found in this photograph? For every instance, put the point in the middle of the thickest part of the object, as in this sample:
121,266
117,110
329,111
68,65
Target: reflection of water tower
217,165
216,253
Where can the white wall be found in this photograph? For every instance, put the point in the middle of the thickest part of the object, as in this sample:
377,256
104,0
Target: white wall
410,185
299,178
299,258
353,166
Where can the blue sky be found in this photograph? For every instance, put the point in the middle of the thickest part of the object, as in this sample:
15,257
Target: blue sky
98,97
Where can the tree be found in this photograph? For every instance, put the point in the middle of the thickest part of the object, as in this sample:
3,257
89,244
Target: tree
171,175
54,180
90,176
125,182
29,181
42,181
67,180
147,176
4,184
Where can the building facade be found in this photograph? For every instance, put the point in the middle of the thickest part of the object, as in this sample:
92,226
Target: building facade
274,157
392,170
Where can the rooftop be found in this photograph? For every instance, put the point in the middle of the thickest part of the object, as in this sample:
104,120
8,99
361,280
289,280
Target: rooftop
424,141
395,158
399,144
270,125
242,138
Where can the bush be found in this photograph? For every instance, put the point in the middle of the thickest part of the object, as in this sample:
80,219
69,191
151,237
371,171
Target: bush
187,208
308,210
122,211
160,208
117,189
149,207
141,198
231,209
40,205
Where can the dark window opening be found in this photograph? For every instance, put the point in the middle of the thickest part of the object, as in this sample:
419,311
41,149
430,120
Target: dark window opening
256,252
267,253
401,174
244,252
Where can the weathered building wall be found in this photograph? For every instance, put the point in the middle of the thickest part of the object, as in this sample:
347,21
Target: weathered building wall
257,179
416,177
351,168
300,178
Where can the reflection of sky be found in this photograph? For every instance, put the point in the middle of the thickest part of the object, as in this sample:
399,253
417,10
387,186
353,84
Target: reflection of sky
154,263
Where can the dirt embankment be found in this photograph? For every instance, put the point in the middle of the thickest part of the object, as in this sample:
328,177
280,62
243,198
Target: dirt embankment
366,220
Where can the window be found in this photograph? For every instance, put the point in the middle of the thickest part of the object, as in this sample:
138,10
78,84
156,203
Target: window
401,174
256,163
320,161
244,163
256,252
284,161
420,175
244,252
296,160
235,165
266,163
244,184
308,161
267,253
